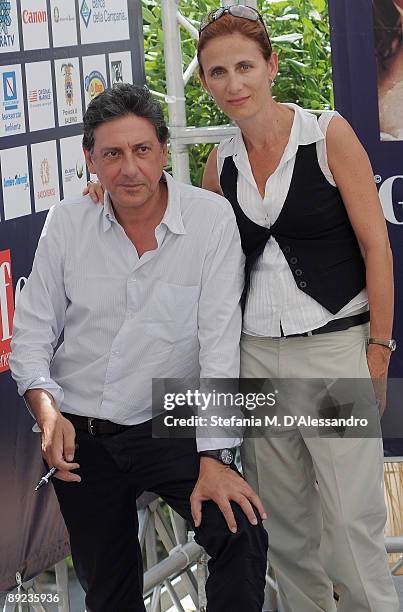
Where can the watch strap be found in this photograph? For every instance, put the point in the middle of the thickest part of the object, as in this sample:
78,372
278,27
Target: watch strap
224,455
389,343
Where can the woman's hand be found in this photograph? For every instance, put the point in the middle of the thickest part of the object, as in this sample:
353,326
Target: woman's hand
95,191
378,358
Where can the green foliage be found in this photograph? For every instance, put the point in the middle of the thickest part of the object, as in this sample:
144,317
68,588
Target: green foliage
299,31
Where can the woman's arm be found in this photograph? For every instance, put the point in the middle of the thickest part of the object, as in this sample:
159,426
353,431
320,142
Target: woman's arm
210,176
354,177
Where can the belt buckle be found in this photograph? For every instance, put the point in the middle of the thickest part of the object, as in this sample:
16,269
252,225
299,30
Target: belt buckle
90,426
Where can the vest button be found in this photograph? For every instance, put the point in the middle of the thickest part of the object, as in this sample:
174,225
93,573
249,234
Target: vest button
302,284
298,272
294,260
287,249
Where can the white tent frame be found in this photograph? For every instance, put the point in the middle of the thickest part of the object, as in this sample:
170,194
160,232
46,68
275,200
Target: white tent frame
176,80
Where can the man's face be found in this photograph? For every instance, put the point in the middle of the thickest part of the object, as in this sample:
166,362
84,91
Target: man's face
128,160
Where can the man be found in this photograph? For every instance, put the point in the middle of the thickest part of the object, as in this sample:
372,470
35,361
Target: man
146,286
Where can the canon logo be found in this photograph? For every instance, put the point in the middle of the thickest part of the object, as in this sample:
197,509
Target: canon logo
34,16
389,203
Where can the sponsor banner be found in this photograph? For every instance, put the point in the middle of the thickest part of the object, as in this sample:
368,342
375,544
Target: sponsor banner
365,33
74,171
63,18
9,37
41,160
15,183
40,96
103,20
45,175
6,308
120,67
68,91
12,117
34,18
95,79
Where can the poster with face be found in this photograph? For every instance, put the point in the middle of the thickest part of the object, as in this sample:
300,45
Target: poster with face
367,58
388,38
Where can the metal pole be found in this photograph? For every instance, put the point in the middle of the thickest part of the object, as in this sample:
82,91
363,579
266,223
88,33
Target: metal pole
177,562
175,88
394,544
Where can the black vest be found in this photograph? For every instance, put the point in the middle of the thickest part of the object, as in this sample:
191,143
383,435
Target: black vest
312,230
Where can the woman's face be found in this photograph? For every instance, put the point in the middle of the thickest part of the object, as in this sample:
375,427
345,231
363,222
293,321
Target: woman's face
237,75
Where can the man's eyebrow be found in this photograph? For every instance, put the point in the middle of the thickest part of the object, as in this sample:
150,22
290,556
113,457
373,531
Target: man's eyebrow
136,145
110,148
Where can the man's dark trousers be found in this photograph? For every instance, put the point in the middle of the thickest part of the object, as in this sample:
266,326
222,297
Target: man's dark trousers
101,517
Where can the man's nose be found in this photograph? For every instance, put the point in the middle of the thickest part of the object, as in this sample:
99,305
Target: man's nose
129,164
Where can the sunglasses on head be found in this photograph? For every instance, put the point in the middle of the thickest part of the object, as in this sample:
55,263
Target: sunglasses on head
236,10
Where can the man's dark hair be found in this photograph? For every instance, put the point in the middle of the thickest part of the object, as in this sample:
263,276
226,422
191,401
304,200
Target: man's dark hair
118,101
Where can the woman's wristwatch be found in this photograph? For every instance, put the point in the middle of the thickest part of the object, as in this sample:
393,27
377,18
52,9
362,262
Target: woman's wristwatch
225,455
390,344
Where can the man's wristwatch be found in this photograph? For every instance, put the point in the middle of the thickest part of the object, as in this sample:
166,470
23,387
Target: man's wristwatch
390,344
225,455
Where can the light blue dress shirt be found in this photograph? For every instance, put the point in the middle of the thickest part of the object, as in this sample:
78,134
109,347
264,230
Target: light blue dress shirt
172,313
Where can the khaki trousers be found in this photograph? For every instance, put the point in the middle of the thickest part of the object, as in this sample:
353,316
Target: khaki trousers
323,496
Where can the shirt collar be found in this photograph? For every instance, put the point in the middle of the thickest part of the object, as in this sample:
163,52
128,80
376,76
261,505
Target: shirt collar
305,131
173,214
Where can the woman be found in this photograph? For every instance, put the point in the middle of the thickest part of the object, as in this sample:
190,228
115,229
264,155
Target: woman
388,31
305,200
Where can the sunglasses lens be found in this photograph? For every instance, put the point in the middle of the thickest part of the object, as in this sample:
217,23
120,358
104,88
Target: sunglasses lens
246,12
236,10
219,13
212,16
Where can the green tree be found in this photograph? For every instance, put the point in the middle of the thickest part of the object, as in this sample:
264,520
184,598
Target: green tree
300,34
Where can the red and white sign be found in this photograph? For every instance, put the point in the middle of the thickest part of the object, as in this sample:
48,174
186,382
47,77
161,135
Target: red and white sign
34,18
6,308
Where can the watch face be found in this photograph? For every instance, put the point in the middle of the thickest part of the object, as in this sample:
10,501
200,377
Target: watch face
226,456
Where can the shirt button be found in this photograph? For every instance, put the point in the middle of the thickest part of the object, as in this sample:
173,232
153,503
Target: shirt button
115,353
298,272
287,249
302,284
294,260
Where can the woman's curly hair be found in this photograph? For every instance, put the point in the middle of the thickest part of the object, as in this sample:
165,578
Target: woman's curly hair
387,30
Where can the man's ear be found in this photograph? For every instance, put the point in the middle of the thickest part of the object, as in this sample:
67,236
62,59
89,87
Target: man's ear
89,162
164,149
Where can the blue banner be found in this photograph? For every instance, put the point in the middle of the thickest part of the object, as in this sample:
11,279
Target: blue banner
55,56
367,56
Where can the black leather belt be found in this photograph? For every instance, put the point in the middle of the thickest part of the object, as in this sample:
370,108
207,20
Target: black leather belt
96,427
335,325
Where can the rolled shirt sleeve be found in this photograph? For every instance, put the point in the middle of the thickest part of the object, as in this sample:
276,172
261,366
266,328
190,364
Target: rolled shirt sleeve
219,315
40,312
